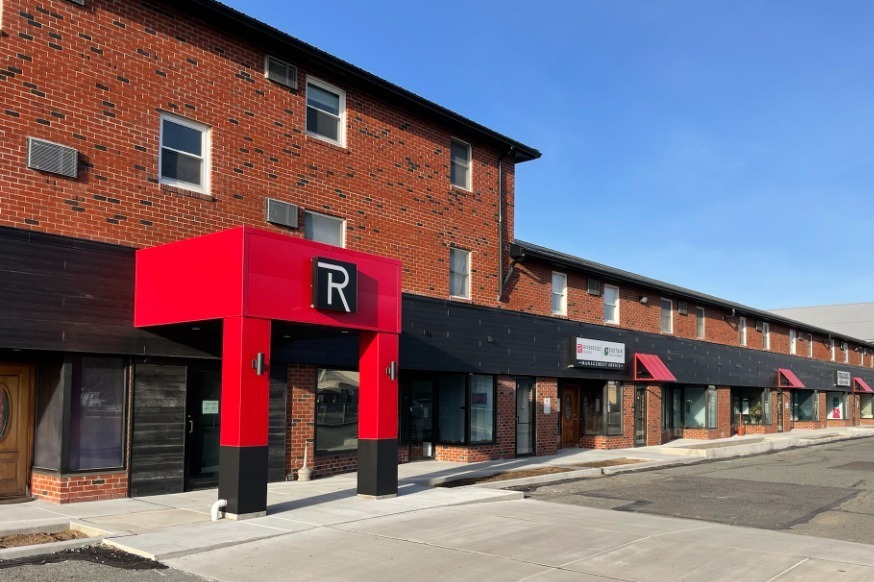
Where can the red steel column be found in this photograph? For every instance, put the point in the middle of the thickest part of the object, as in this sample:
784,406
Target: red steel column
378,415
244,415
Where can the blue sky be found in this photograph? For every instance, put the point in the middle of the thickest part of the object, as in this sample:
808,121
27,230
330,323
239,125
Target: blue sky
721,145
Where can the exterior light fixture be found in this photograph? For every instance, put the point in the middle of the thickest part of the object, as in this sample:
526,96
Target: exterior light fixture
644,299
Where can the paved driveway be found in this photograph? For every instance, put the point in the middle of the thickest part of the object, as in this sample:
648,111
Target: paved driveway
825,491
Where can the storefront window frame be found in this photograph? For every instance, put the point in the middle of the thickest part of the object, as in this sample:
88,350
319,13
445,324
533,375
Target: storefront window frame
794,406
316,444
70,382
467,442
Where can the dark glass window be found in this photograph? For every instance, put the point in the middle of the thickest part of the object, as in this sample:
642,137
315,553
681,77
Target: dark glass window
97,415
466,408
805,404
337,411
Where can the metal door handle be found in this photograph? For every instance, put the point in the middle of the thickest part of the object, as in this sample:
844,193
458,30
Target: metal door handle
190,426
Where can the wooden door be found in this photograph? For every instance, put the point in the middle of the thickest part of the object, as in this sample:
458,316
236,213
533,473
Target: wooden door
16,434
570,416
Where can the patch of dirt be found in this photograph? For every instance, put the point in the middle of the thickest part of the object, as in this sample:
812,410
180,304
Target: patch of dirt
94,554
18,540
609,463
521,473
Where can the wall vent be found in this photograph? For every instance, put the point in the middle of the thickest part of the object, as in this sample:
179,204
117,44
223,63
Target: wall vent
280,72
51,157
281,213
594,287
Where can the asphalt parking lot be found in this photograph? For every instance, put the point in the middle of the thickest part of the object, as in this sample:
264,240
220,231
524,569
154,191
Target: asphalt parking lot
825,491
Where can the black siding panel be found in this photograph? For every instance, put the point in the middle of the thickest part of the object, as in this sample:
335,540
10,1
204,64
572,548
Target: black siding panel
64,294
278,423
447,336
157,463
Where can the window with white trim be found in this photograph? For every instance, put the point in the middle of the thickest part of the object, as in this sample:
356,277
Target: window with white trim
611,304
699,322
184,159
846,349
810,345
323,228
326,111
459,273
862,357
559,294
742,330
831,349
793,342
766,336
667,316
460,164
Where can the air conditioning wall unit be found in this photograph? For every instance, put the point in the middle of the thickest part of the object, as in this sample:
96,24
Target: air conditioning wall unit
281,213
280,72
47,156
594,287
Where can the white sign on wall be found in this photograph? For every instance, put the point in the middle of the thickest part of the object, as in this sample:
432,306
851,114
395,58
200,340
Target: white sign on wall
843,379
591,353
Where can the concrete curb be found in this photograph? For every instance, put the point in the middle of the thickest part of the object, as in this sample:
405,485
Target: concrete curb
96,537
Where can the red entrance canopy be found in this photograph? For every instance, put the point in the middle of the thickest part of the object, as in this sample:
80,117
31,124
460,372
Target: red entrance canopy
786,378
860,385
651,367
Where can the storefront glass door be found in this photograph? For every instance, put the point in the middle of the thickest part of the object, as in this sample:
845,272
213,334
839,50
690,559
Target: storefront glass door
524,417
202,429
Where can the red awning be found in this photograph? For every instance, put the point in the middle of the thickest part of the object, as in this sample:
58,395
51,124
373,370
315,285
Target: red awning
650,367
860,385
786,378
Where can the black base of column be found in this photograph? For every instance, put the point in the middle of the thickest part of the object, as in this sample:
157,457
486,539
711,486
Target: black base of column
243,480
378,467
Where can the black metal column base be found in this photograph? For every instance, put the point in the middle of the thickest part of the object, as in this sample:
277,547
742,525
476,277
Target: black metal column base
243,481
378,468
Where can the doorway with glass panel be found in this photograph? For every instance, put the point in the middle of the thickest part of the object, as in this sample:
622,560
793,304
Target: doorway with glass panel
417,415
525,430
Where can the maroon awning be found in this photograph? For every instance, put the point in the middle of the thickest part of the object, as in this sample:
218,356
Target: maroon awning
786,378
860,385
650,367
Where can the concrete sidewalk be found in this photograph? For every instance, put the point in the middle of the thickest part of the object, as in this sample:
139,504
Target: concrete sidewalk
309,515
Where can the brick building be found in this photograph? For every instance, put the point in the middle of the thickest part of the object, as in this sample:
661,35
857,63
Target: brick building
132,125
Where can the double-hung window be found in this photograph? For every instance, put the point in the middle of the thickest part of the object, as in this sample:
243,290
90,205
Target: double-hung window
699,322
810,345
667,316
766,336
831,350
846,349
742,330
793,342
326,111
559,294
459,273
611,304
184,160
460,167
323,228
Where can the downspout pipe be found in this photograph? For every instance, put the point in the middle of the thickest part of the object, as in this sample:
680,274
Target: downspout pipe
501,222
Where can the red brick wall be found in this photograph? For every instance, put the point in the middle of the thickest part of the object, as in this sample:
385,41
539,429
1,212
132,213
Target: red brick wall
97,78
529,290
653,415
546,425
81,487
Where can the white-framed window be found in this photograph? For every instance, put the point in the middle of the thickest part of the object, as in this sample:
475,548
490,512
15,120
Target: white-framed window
831,350
325,229
846,349
699,322
793,342
611,304
184,159
766,336
862,356
459,273
559,294
742,330
326,111
460,164
810,345
667,316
